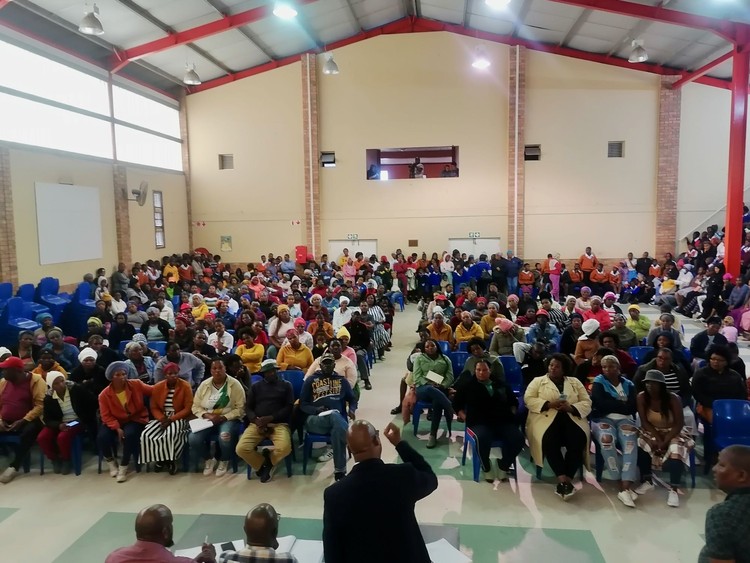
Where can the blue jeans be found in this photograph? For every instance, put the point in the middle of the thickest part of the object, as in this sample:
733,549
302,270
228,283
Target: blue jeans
441,405
335,425
512,284
611,433
107,441
225,434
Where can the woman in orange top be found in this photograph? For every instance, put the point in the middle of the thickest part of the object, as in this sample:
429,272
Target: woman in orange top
164,438
525,276
615,279
599,280
124,416
654,271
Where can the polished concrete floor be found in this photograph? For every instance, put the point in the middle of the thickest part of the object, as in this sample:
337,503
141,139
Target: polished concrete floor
80,519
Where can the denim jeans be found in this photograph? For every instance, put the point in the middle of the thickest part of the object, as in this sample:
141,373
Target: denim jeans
131,446
440,405
609,434
512,285
335,425
225,434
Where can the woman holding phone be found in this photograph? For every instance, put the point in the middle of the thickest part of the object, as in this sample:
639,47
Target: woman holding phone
69,409
558,405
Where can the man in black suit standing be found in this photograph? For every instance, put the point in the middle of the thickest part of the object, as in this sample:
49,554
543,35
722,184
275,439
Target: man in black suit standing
369,515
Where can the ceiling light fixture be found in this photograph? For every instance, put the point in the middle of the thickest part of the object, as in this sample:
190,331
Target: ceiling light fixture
497,4
330,66
639,54
91,24
191,77
480,60
284,11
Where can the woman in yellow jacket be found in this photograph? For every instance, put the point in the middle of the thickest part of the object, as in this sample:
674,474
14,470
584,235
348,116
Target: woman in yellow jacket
250,351
294,355
200,309
558,405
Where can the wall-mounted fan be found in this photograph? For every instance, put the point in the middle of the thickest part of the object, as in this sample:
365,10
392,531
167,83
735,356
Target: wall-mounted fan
140,194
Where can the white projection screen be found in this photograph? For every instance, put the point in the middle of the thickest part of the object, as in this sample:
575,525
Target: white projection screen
69,223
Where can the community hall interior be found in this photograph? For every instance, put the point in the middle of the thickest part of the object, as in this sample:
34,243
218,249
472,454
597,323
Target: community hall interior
539,127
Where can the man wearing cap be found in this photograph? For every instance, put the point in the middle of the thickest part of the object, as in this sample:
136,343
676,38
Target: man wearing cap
327,398
640,325
544,332
21,406
269,409
588,342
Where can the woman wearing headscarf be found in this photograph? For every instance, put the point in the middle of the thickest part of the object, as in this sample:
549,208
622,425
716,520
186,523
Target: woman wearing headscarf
156,328
164,438
183,333
94,326
41,334
69,409
380,336
121,331
124,416
118,304
65,354
504,335
140,366
89,375
199,309
278,326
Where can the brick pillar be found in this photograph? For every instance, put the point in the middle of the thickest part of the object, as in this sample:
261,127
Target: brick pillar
122,214
668,167
311,150
516,169
186,166
8,257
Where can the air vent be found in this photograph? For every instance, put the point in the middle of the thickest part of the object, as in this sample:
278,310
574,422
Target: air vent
226,162
616,149
532,152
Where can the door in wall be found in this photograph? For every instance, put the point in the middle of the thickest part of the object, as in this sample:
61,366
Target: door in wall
365,246
475,246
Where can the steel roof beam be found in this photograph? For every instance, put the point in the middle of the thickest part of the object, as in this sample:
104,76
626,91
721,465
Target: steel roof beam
193,34
353,16
220,7
521,17
692,76
467,12
576,27
724,28
631,34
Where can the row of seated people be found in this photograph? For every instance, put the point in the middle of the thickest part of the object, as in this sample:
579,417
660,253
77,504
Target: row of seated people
665,407
151,422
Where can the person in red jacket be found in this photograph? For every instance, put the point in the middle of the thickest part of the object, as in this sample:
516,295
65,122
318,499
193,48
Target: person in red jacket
596,312
611,341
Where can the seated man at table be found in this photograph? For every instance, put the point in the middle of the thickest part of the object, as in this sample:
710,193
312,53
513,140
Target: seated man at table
327,393
261,530
21,405
269,408
153,532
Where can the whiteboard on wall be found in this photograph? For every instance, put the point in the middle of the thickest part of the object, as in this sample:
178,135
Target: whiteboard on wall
68,222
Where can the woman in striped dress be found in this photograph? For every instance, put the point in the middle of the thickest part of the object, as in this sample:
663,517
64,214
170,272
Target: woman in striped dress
379,333
164,438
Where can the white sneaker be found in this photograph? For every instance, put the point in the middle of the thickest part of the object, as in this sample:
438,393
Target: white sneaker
222,469
122,474
209,467
326,456
633,494
673,499
625,498
8,475
112,464
644,487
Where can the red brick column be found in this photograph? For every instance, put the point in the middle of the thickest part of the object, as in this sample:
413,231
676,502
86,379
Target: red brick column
122,214
516,168
8,257
186,166
670,102
311,150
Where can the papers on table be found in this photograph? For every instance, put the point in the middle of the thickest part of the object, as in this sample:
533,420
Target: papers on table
435,377
442,551
220,547
306,551
198,424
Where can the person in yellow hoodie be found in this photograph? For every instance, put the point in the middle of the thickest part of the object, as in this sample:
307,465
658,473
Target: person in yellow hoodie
467,329
294,355
200,309
47,363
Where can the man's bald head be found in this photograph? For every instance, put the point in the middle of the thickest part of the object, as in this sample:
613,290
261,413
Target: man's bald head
738,456
154,524
262,526
363,441
732,471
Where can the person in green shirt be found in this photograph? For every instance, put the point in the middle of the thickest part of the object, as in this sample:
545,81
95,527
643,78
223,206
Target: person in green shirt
433,375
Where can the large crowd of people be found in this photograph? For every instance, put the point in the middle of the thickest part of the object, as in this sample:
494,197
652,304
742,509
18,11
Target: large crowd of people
233,340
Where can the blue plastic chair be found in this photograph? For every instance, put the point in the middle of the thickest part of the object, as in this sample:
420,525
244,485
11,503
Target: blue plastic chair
76,456
463,346
638,353
255,378
445,346
731,423
159,346
12,321
307,444
296,378
123,344
513,375
416,413
287,460
6,292
14,440
26,292
470,439
398,297
48,294
458,359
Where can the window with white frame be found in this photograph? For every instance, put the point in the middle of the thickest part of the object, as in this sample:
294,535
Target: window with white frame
159,219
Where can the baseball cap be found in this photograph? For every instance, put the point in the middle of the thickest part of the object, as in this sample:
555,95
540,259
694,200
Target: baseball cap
12,363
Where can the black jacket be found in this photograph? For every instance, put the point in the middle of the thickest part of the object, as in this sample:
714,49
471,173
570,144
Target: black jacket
602,403
483,409
682,376
94,382
83,402
368,517
118,333
699,343
162,325
708,386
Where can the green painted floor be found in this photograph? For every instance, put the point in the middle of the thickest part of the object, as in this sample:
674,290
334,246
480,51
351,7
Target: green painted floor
6,513
484,544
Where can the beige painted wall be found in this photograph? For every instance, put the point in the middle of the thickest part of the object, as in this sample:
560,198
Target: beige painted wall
28,167
259,120
704,158
410,91
575,195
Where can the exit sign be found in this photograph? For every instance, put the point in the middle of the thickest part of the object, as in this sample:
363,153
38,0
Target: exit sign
474,234
352,236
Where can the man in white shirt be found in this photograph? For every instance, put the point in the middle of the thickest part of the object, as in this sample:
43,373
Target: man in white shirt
221,340
342,315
